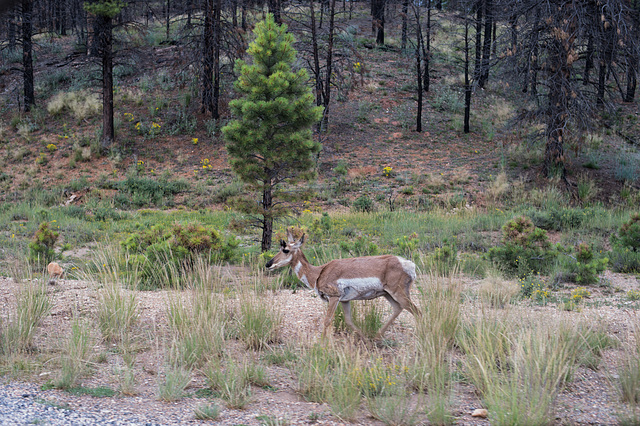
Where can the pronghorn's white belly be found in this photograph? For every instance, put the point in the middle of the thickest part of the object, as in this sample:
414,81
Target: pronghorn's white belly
359,288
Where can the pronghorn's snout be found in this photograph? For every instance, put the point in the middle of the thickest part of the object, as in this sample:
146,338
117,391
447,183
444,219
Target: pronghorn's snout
269,264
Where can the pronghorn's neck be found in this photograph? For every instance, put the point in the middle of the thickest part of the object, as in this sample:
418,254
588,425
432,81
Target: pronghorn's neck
306,272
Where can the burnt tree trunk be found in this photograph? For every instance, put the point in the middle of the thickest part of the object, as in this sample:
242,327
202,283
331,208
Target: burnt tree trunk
27,54
208,38
479,18
559,69
632,81
105,50
426,47
267,217
405,12
377,7
327,84
217,29
467,80
486,47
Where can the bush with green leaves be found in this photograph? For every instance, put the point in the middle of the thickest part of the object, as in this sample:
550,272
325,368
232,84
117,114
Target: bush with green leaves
625,256
586,267
559,219
162,250
363,204
41,246
525,249
138,191
321,227
407,245
445,258
359,247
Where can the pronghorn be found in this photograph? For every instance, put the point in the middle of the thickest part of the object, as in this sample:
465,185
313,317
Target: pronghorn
358,278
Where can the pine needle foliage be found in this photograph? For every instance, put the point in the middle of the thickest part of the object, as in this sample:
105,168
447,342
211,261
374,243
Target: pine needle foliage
270,140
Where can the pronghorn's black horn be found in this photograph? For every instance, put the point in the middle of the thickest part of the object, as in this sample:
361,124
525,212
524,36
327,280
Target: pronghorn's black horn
283,243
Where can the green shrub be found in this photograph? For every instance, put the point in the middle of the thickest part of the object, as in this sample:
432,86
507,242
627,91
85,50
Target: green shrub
363,204
629,234
360,247
444,259
559,219
321,227
138,191
625,256
168,251
526,249
586,268
41,246
406,246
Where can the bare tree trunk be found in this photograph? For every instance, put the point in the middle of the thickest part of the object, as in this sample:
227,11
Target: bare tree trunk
486,48
478,63
168,17
316,58
12,29
559,79
274,9
105,42
267,218
378,7
426,76
632,81
208,57
467,80
217,29
405,11
27,55
607,46
419,49
588,63
327,84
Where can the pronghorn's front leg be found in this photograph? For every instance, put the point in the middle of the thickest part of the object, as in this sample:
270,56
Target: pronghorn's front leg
331,310
346,308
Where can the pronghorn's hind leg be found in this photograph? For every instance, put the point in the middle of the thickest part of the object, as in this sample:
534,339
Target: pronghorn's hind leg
399,301
397,308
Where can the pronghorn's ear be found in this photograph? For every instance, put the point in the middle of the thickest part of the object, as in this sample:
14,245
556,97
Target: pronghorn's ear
290,236
299,243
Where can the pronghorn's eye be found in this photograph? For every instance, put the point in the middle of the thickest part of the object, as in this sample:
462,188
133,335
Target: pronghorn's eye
285,250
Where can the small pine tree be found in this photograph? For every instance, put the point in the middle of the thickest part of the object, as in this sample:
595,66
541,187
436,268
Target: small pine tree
270,140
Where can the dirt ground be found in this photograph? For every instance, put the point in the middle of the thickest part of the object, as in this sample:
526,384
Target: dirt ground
590,398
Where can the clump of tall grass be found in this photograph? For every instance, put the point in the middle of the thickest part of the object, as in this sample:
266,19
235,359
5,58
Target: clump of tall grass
519,371
498,187
171,387
198,326
258,323
118,312
540,361
386,391
76,355
206,412
81,104
628,384
485,340
33,305
436,329
233,381
497,292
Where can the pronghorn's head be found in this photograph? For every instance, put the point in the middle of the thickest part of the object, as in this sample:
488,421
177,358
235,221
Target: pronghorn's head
288,251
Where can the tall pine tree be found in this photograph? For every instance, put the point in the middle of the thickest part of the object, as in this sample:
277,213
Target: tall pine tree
270,140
